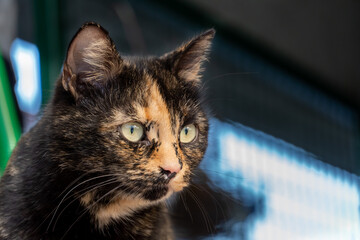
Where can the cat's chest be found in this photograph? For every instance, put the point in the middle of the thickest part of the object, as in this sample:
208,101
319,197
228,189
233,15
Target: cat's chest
139,225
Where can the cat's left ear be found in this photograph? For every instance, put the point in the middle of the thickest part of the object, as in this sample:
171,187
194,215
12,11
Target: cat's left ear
187,60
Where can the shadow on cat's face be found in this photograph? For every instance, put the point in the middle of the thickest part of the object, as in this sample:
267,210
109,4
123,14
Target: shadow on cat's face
133,127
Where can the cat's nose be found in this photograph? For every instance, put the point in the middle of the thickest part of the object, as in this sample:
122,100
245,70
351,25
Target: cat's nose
170,170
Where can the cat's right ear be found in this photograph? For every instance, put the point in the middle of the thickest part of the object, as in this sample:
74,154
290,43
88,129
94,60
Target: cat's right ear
91,59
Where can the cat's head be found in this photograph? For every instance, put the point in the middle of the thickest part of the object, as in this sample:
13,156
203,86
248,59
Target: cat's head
136,124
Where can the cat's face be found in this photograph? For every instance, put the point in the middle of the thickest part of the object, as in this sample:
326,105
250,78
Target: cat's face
136,124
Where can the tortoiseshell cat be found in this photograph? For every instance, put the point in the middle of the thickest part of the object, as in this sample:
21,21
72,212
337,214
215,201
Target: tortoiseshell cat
119,137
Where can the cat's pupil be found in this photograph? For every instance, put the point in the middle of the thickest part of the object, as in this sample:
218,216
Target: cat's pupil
186,131
132,129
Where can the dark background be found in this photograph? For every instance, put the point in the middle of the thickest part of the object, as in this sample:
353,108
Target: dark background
287,68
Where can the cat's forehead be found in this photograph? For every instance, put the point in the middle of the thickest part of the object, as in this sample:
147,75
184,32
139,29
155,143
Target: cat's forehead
149,79
157,113
149,93
149,106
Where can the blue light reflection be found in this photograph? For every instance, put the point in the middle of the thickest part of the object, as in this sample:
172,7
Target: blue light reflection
25,59
296,196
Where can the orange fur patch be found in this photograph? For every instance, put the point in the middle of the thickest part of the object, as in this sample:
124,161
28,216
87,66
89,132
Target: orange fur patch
157,111
122,207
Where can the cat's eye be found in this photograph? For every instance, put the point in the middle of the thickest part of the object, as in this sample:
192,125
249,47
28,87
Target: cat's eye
188,133
132,131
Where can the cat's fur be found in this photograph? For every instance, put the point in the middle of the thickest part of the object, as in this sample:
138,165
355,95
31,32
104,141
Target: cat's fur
74,176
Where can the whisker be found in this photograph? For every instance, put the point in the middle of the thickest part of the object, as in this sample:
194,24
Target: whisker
186,206
205,215
73,182
221,191
92,188
217,203
72,189
88,209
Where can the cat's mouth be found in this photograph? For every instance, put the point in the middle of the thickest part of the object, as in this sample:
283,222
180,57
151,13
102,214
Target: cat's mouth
166,188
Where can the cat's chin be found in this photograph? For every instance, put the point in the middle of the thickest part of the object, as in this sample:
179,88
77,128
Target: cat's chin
163,191
159,198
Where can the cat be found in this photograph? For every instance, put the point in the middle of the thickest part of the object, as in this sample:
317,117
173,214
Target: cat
119,137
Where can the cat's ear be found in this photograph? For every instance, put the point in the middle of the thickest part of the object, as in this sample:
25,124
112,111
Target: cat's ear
187,60
91,59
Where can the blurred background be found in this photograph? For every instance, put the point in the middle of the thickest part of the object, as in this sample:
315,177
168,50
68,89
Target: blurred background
283,84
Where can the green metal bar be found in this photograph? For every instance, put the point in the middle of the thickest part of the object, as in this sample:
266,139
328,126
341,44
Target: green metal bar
48,39
10,129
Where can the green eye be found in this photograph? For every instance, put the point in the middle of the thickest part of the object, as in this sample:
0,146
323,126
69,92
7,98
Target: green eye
188,133
132,131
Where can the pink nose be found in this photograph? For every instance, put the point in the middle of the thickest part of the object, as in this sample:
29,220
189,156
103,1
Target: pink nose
171,169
